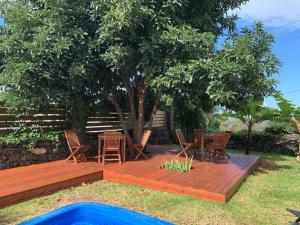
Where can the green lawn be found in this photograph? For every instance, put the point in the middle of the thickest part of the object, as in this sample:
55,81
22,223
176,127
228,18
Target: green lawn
262,199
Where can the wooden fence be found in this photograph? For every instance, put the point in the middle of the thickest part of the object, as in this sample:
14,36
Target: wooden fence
55,120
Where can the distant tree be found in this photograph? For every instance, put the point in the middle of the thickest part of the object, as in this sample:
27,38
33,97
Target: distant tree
285,110
296,125
286,114
251,113
243,70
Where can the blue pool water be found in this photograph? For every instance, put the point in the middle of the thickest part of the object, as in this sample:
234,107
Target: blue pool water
90,213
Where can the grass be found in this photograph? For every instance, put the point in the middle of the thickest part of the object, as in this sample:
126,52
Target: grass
262,199
178,165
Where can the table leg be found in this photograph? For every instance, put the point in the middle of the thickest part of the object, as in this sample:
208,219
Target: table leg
99,149
196,147
124,150
202,147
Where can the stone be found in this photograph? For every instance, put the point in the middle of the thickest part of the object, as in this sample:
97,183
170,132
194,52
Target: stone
39,151
3,158
12,155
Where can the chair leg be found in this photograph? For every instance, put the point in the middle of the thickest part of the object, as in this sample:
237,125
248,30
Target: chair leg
212,155
185,154
103,158
84,157
227,157
140,153
209,154
75,159
120,159
145,156
180,153
184,151
137,156
69,157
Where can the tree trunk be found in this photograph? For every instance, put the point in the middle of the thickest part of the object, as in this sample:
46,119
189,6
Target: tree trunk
248,141
154,110
137,133
131,102
122,119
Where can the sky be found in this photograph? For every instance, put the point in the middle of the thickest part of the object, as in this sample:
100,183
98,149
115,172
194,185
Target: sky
282,19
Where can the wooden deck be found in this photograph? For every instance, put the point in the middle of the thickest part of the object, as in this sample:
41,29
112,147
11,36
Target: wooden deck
207,180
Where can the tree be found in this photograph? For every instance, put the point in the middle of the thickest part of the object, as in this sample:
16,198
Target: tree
243,70
46,57
250,114
156,46
242,76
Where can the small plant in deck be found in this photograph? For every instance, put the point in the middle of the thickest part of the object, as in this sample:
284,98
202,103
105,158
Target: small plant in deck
178,165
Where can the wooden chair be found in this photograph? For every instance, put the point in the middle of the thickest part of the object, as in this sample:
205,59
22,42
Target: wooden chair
112,147
198,131
139,148
218,146
77,150
186,147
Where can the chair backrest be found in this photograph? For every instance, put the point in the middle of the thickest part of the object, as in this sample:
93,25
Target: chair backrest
112,139
180,137
198,133
228,136
221,139
72,139
145,137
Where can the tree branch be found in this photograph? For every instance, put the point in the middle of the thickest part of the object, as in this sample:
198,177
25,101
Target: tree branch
130,97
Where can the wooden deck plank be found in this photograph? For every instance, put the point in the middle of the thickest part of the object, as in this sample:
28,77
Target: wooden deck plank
207,180
44,180
29,176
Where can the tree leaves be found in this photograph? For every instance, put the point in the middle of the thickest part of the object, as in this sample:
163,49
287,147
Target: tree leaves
59,51
244,68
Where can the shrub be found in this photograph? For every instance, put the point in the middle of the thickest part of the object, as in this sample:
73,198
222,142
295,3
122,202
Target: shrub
280,128
265,142
31,135
178,165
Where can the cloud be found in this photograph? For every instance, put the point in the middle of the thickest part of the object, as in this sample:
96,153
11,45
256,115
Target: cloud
274,13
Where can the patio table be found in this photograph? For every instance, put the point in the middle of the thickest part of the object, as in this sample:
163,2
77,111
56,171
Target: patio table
201,139
101,138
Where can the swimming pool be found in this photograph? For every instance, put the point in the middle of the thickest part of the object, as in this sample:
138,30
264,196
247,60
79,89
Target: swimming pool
91,213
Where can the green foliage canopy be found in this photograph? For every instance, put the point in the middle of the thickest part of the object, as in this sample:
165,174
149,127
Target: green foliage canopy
77,52
243,70
46,55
